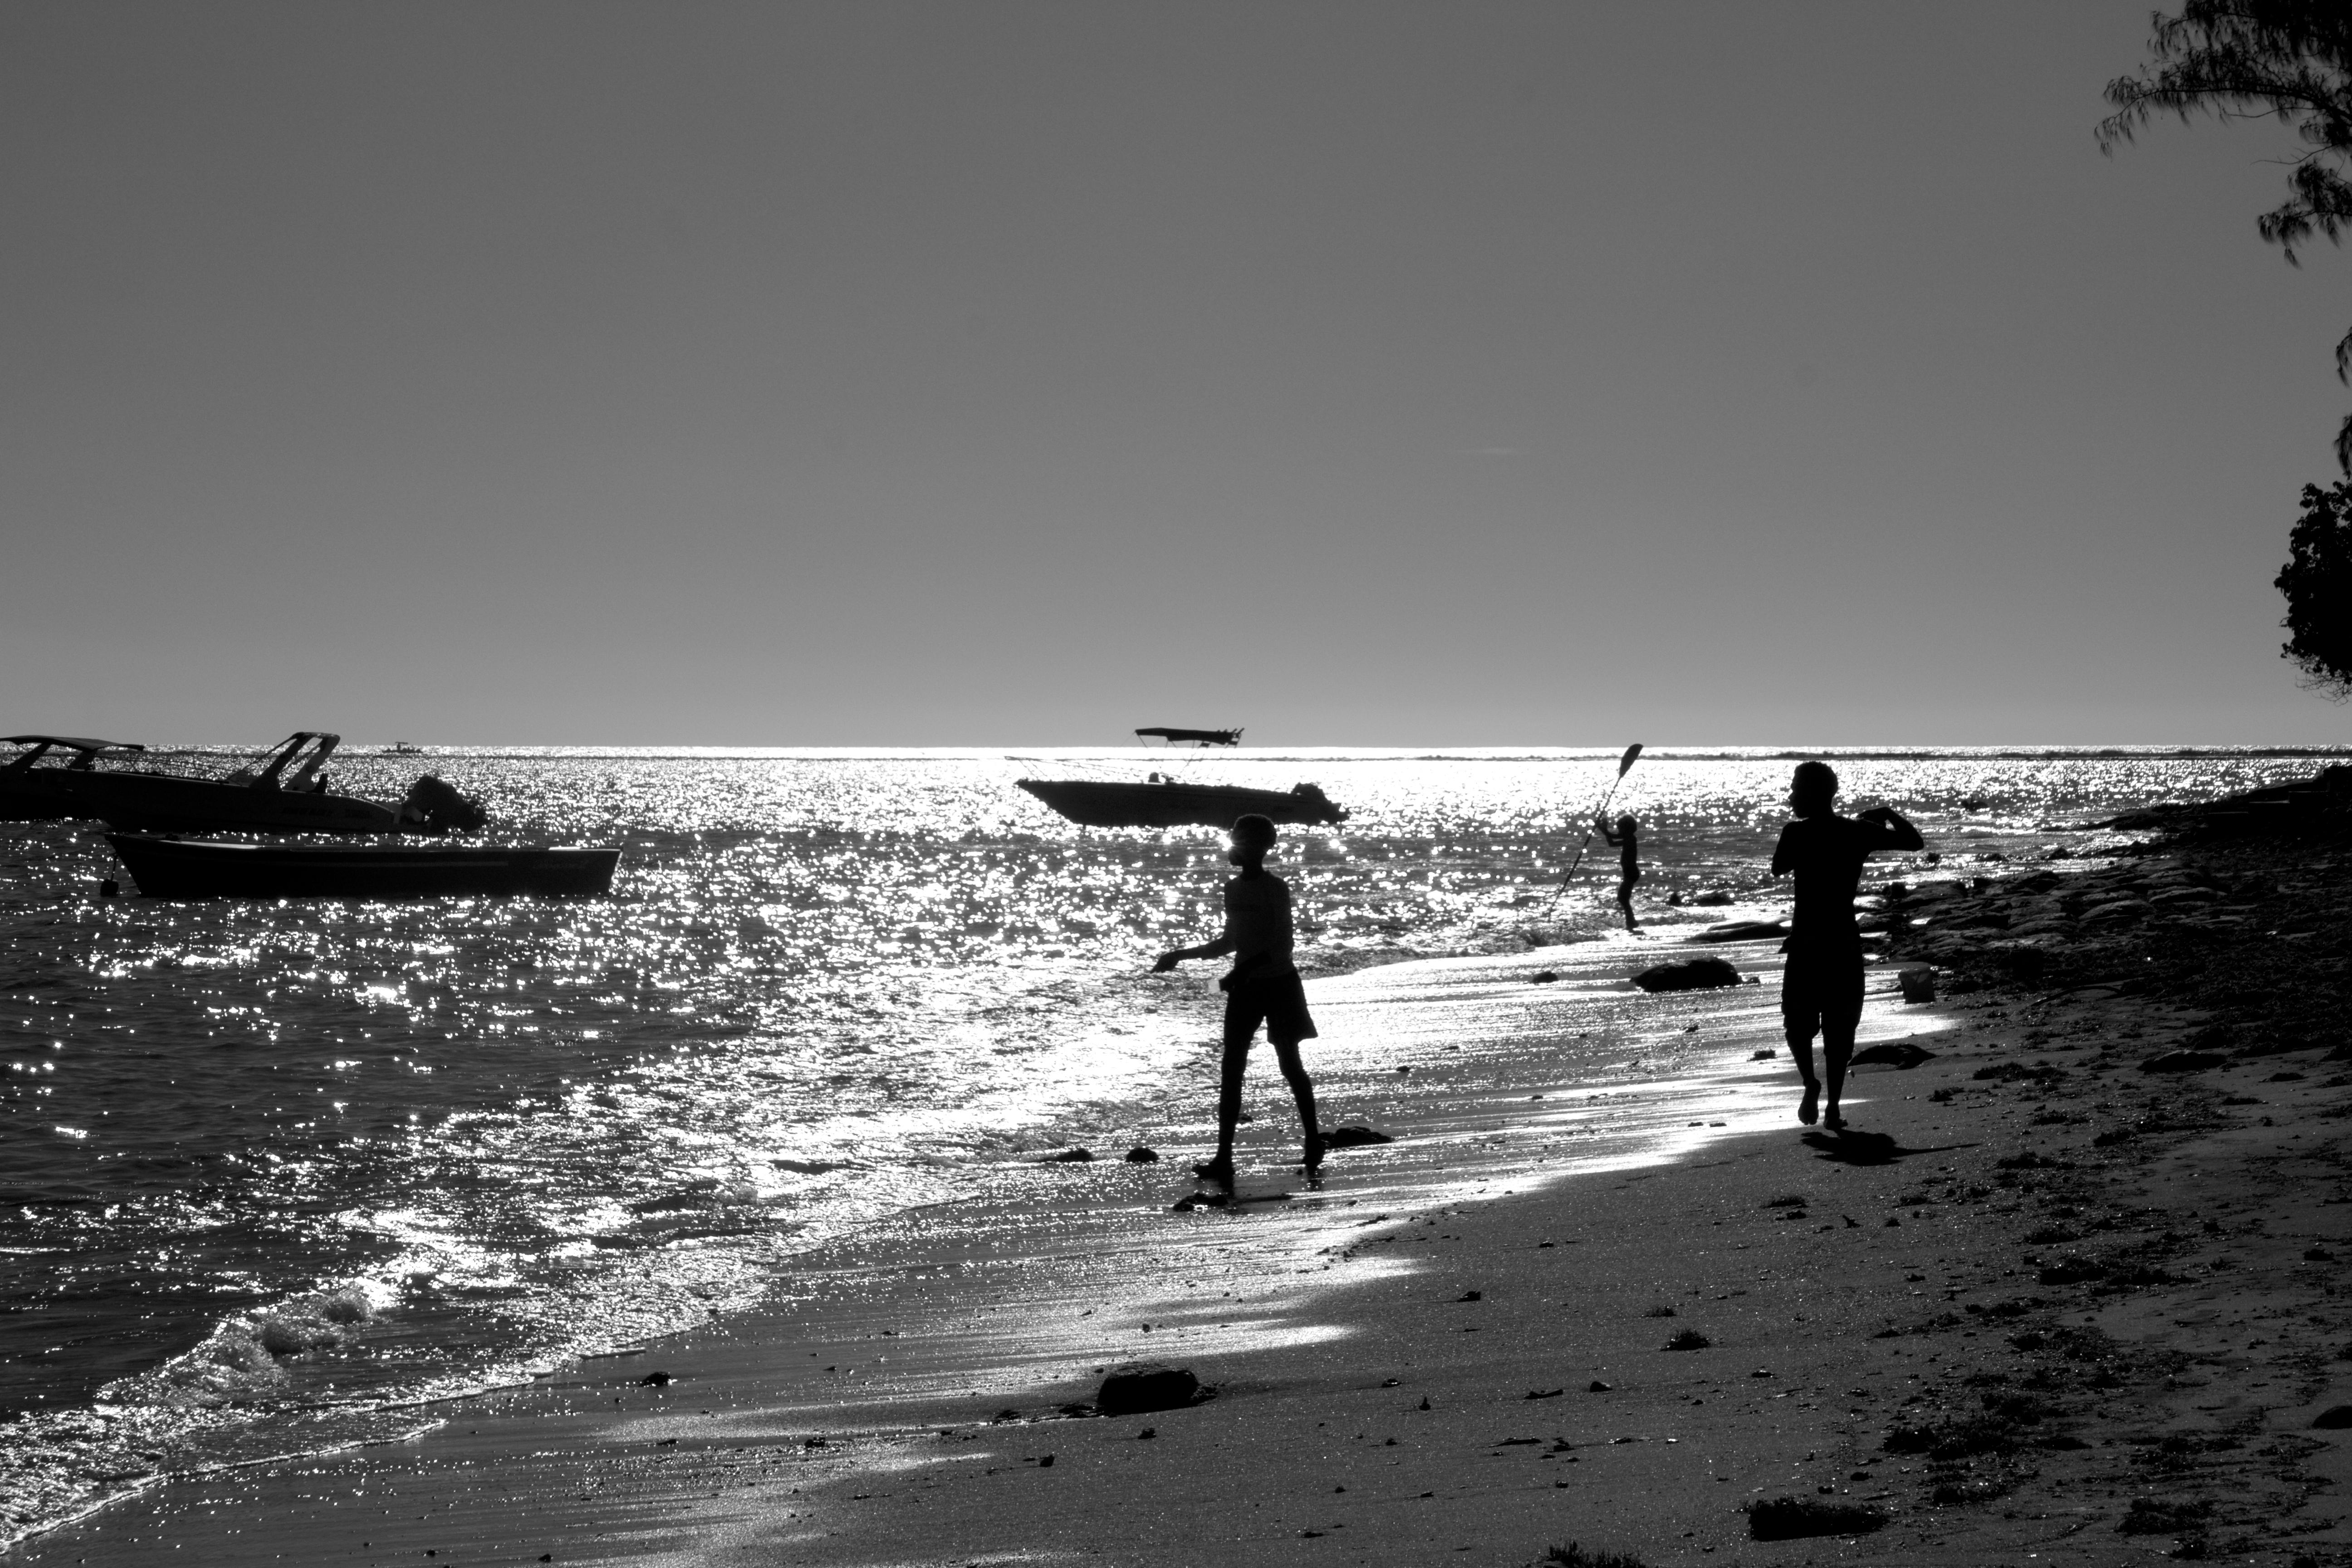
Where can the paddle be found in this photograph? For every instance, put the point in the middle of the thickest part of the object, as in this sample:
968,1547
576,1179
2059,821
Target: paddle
1625,766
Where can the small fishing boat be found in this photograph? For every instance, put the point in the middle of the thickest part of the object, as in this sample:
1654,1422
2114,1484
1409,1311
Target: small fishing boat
177,868
1159,801
285,793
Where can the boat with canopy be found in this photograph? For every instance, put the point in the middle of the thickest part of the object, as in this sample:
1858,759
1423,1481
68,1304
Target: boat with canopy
1160,801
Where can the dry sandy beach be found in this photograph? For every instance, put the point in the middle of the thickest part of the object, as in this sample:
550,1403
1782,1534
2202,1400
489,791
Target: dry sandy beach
2038,1305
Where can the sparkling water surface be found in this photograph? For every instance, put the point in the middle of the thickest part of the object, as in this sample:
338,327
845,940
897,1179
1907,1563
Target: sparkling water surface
262,1160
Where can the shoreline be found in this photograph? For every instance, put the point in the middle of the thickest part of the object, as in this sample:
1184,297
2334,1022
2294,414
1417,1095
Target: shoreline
1459,1135
1465,1136
2046,1304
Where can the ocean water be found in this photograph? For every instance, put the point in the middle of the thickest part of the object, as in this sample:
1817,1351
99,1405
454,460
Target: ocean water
271,1175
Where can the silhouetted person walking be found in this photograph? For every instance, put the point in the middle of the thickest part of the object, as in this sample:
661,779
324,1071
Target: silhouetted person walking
1263,987
1627,841
1821,990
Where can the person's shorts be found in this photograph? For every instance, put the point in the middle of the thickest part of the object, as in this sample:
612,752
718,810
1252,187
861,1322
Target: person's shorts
1279,1002
1822,993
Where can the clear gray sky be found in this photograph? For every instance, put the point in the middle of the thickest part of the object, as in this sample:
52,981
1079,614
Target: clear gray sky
988,372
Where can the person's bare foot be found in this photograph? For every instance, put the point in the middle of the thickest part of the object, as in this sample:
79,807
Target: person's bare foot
1314,1161
1219,1173
1809,1106
1833,1120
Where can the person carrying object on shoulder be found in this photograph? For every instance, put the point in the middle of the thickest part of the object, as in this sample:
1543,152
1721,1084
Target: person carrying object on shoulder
1263,987
1821,990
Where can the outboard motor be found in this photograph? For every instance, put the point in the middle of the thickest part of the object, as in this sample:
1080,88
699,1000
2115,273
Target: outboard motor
433,805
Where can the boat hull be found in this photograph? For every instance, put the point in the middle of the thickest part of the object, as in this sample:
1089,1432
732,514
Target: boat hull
1101,803
173,868
160,803
35,798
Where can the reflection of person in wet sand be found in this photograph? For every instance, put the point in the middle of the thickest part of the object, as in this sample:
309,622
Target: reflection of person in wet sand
1627,841
1821,990
1262,988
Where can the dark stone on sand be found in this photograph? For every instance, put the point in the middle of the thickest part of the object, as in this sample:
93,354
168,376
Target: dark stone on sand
1893,1054
2184,1061
1714,897
1918,983
1069,1157
1793,1519
654,1380
1146,1386
1696,975
1743,931
1596,1386
1354,1137
2334,1418
1139,1155
1543,977
2073,1271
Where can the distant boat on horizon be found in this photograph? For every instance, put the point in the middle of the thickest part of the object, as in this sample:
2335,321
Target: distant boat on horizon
1159,801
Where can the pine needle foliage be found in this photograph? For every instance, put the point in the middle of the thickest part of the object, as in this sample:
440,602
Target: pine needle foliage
2289,60
2318,582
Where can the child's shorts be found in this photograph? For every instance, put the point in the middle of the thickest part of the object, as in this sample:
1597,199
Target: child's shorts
1279,1002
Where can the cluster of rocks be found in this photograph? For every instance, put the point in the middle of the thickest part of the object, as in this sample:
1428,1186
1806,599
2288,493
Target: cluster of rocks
2321,804
2026,920
2251,922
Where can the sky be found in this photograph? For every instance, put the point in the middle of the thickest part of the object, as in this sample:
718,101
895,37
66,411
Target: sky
1000,372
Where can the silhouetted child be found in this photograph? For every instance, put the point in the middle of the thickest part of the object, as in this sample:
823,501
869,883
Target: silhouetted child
1821,990
1263,987
1627,839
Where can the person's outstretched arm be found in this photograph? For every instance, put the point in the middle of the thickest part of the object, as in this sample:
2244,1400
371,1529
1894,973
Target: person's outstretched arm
1169,959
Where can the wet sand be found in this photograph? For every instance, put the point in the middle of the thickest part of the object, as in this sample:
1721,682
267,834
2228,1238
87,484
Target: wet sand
2001,1311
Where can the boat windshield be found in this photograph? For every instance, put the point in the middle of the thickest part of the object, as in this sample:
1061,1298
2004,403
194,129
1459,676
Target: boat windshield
295,764
66,752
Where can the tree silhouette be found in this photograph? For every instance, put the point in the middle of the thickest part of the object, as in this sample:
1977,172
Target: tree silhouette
2289,60
2318,582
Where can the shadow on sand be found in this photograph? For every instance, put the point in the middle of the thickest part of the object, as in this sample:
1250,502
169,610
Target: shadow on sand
1851,1148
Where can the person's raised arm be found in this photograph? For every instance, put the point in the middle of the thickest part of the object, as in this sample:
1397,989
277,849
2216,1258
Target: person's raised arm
1898,832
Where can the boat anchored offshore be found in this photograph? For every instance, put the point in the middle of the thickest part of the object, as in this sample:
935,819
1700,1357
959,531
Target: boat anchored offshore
176,868
38,784
1162,801
286,793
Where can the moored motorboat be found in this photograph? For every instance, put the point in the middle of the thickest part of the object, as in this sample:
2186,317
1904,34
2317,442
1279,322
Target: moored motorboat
1166,802
1162,801
177,868
37,784
286,793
